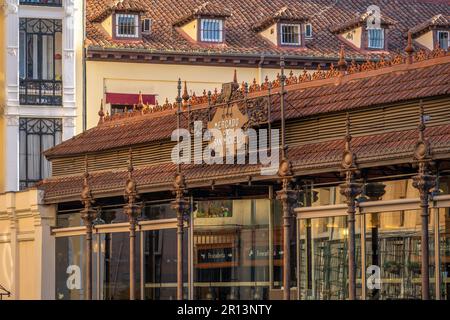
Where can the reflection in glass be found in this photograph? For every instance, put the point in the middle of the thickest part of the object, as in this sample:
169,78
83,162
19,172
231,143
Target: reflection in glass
160,264
70,268
115,266
231,251
329,195
444,232
158,211
393,244
324,258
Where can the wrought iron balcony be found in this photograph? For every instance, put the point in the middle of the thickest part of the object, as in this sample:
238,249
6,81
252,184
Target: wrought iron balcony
50,3
40,92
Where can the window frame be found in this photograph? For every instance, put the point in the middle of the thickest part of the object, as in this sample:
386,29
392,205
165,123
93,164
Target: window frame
438,32
40,61
143,23
298,26
383,39
29,126
221,30
310,35
137,26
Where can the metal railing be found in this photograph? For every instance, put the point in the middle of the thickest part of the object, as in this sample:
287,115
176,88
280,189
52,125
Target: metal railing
50,3
40,92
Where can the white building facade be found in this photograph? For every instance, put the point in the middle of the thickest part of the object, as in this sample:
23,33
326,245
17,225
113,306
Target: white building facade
39,104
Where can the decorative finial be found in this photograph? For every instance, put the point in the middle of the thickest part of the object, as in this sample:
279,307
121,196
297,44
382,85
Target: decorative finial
86,194
179,99
130,162
342,64
235,77
421,122
348,158
409,48
86,168
348,136
140,105
101,113
130,187
185,94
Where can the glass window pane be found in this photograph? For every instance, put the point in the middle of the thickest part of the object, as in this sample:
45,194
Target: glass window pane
290,34
444,231
393,244
324,258
36,136
211,30
115,266
232,254
160,264
70,268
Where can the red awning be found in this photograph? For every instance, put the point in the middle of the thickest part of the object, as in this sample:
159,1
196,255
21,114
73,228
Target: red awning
129,99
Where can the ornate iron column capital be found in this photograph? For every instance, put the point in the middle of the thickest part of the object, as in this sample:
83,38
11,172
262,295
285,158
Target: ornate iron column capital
424,181
180,204
87,213
131,196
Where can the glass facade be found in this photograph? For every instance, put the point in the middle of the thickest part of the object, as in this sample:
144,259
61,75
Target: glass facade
233,250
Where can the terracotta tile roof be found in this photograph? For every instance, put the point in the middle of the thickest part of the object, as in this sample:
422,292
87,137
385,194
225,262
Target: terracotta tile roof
387,146
241,39
102,12
206,9
286,14
369,148
359,20
389,85
439,20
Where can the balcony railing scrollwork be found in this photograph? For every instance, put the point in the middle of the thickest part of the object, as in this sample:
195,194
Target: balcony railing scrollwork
40,92
50,3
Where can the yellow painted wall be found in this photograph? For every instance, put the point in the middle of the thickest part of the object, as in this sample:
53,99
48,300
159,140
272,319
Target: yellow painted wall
353,36
426,40
191,29
107,25
2,99
160,79
26,245
271,34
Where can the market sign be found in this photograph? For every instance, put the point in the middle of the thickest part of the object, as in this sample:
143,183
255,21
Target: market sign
227,118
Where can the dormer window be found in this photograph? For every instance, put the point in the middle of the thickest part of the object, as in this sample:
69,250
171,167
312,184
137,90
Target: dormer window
308,30
211,30
443,39
205,23
375,38
127,25
285,27
290,34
